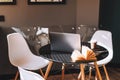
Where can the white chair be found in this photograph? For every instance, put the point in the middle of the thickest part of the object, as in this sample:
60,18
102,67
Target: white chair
29,75
104,39
21,55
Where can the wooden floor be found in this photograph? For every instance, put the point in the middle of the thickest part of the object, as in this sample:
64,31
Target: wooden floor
114,74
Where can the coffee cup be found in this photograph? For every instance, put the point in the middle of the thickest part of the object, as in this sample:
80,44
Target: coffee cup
93,44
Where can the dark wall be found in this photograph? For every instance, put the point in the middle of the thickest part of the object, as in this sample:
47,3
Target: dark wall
110,20
116,31
5,67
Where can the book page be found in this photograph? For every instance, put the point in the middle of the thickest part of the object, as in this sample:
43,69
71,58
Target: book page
76,55
88,53
84,51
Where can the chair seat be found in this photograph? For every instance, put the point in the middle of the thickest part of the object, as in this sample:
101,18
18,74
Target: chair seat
21,55
29,75
32,62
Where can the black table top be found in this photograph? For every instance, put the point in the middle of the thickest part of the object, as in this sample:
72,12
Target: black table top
65,57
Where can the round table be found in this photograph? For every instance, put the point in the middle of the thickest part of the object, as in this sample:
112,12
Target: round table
65,58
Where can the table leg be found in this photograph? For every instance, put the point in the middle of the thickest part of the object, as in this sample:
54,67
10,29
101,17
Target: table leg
48,69
97,70
82,73
63,71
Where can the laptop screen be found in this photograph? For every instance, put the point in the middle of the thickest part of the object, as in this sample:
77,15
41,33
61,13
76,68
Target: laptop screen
66,42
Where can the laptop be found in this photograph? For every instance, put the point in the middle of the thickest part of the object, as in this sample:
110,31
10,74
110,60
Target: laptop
65,42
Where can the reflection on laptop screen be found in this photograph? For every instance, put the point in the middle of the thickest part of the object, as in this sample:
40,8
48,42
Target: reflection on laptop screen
66,42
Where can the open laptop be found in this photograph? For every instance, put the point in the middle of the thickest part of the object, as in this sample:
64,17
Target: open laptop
66,42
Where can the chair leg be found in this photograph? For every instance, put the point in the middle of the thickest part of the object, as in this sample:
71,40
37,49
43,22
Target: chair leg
16,76
63,71
82,66
90,73
96,76
97,71
48,70
79,76
42,72
106,73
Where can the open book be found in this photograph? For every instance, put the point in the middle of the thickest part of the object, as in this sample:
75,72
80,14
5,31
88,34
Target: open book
86,55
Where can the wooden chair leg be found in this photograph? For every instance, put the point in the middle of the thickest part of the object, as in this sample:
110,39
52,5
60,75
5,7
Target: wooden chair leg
90,73
48,70
16,76
42,72
63,71
79,76
97,71
96,76
106,73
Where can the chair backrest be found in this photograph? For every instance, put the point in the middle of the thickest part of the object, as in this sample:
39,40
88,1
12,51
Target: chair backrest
29,75
104,39
18,49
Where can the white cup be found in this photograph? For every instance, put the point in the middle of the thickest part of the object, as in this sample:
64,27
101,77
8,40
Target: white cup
93,44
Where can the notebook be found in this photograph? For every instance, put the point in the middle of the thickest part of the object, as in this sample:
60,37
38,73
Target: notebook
66,42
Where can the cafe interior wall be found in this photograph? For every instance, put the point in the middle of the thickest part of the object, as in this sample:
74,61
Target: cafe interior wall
73,13
87,12
26,16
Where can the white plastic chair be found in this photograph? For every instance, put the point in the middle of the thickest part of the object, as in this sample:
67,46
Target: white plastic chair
104,39
29,75
21,55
